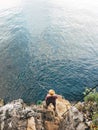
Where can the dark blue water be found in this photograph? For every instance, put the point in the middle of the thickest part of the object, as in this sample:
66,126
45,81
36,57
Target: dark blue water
48,44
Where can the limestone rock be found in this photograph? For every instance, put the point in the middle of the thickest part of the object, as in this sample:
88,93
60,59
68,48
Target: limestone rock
50,126
18,116
31,124
62,106
81,126
73,120
13,116
48,115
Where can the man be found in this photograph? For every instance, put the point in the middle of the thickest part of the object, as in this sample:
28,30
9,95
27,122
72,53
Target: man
51,98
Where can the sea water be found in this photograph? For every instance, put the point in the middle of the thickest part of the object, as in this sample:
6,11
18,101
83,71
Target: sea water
48,44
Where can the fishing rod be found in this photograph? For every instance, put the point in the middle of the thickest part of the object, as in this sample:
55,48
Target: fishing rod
90,90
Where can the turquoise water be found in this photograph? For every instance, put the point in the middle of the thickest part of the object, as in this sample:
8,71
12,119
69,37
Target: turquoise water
48,44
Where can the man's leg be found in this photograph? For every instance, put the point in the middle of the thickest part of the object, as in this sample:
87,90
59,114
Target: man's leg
54,104
47,103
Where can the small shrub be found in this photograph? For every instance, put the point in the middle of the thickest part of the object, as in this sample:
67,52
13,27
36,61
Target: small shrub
90,95
96,97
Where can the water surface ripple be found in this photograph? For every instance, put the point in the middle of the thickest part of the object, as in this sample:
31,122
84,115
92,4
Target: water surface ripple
48,44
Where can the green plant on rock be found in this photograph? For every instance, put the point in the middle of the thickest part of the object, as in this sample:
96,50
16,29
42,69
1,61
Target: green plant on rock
90,95
95,120
91,100
96,97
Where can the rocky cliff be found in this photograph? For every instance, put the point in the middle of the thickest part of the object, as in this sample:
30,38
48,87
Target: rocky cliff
16,115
